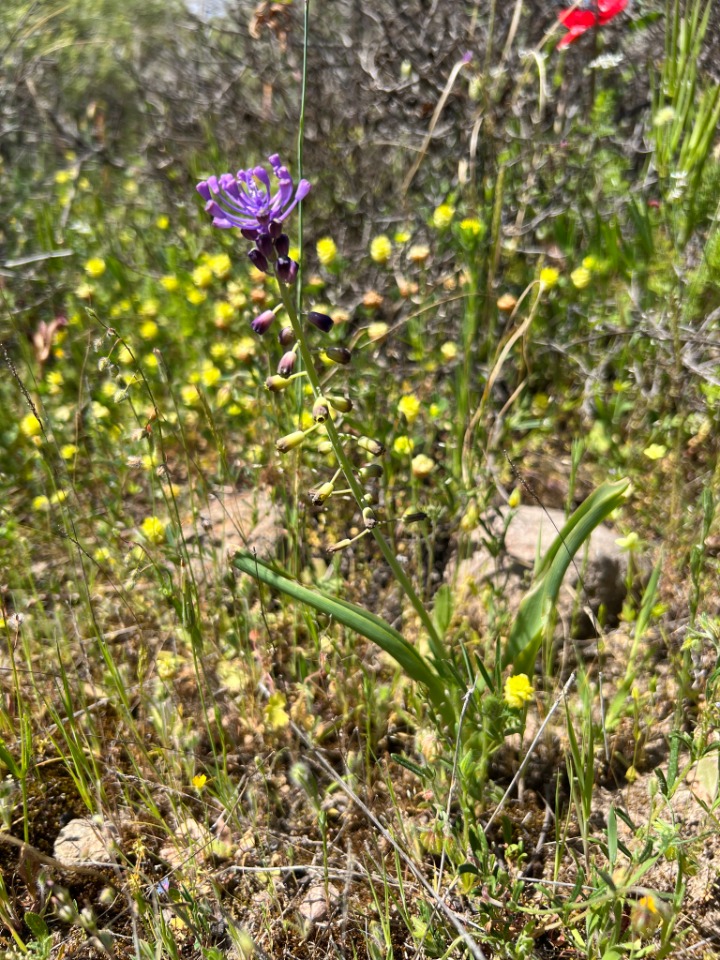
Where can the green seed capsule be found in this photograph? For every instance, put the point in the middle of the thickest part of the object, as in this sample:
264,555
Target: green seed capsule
276,383
372,446
369,518
290,442
338,354
322,493
341,404
370,471
320,410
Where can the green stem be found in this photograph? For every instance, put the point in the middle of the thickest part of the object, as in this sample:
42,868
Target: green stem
401,577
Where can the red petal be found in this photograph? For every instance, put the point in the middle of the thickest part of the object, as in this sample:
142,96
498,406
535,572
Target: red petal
571,36
572,19
610,8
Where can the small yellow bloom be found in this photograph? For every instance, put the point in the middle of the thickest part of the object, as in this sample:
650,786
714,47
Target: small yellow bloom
403,445
149,309
409,407
223,313
170,283
98,410
102,555
84,291
199,781
124,355
422,466
151,361
189,394
449,350
656,451
377,330
418,253
63,176
68,451
472,227
130,187
153,529
84,183
549,276
581,277
30,426
95,267
60,496
402,236
442,217
202,276
149,330
55,381
218,350
41,504
210,376
162,222
518,690
196,297
381,249
244,349
515,498
326,251
221,265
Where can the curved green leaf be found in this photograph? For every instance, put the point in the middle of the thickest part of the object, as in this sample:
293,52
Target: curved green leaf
527,630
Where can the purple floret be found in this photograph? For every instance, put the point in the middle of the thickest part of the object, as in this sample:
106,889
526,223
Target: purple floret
245,200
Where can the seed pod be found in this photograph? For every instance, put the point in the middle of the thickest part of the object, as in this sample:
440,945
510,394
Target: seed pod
325,446
340,545
373,447
287,362
369,518
339,355
276,383
370,471
320,320
341,404
287,270
290,442
322,493
286,337
320,410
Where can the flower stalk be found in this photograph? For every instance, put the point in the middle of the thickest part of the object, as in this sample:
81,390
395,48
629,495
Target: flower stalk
358,493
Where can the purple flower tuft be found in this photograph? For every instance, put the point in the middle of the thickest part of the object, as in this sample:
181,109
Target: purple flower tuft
245,200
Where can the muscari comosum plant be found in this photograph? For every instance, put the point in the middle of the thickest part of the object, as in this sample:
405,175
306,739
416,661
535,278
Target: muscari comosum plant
246,201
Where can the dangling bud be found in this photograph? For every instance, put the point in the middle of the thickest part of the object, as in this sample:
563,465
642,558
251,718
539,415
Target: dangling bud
369,518
287,362
262,323
282,245
258,260
275,229
276,383
265,245
320,495
290,442
320,410
373,447
286,337
370,471
338,354
287,270
325,446
341,404
320,320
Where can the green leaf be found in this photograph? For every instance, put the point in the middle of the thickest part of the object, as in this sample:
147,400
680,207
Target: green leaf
443,609
527,631
37,926
361,621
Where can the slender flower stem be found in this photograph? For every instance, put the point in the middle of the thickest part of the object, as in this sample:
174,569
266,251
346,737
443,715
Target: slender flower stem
436,644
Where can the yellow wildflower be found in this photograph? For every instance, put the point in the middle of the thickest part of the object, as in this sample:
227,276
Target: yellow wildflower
202,276
30,426
210,375
409,407
326,251
518,690
472,227
41,504
189,394
95,267
196,297
442,216
403,445
244,349
151,361
218,350
153,529
162,222
223,314
221,265
84,291
402,236
60,496
381,249
68,451
55,381
449,350
149,330
422,466
149,309
170,282
549,276
63,176
581,277
656,451
199,781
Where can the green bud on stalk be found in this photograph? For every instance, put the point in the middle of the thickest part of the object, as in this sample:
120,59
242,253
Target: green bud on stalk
290,442
373,447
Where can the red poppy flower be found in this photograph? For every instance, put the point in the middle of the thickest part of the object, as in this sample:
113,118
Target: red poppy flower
591,13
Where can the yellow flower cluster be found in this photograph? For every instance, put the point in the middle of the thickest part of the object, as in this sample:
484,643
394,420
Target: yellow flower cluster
518,691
